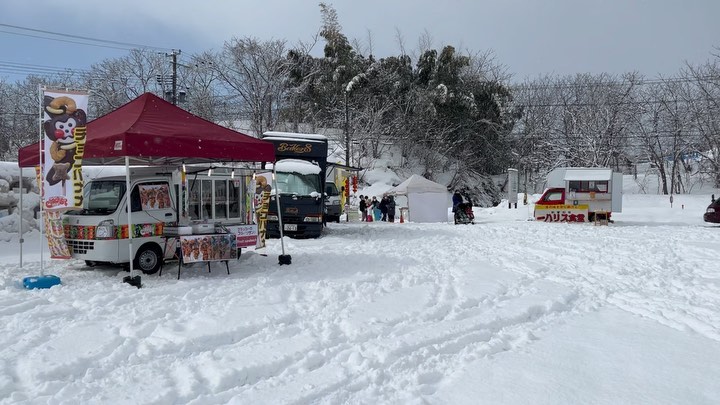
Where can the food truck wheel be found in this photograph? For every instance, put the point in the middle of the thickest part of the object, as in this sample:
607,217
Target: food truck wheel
148,259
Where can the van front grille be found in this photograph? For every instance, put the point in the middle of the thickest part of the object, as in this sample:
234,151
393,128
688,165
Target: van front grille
81,246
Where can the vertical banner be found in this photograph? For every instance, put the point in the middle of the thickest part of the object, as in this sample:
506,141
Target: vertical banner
53,227
64,121
262,205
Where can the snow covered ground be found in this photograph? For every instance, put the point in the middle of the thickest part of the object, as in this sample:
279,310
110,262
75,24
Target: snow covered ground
507,311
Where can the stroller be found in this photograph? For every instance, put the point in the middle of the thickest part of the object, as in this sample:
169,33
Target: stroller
464,214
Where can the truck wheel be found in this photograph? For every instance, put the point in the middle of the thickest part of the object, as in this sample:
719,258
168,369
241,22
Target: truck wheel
90,263
148,259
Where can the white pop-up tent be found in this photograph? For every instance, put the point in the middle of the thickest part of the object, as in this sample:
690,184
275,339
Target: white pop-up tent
427,201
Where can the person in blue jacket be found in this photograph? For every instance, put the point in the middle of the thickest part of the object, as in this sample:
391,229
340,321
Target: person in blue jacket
383,208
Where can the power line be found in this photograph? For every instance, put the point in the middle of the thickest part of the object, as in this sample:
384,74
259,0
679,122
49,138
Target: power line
126,45
614,103
65,40
613,83
11,67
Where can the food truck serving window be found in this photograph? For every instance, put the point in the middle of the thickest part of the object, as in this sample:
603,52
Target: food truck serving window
211,199
597,186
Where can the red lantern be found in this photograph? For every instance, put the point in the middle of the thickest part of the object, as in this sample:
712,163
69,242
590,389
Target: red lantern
347,187
354,184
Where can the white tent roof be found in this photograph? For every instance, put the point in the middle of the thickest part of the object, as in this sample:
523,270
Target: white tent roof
417,184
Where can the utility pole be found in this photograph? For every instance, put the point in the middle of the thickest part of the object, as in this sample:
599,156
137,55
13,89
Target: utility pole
174,55
347,131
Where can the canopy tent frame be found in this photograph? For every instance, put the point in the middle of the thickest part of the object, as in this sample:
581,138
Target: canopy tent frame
149,131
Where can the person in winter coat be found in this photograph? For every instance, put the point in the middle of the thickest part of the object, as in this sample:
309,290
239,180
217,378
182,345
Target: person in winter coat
457,199
363,209
383,208
390,208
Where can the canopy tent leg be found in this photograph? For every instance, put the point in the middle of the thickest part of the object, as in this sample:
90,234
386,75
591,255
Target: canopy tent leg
132,279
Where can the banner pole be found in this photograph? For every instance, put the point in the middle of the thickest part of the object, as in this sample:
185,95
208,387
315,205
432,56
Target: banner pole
42,178
21,217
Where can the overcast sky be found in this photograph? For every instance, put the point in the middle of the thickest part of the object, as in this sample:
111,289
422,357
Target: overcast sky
529,37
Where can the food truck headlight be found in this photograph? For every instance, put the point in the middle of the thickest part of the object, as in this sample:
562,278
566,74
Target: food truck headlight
272,217
312,219
710,210
105,229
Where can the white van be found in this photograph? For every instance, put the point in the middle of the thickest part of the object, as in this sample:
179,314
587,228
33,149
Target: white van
99,232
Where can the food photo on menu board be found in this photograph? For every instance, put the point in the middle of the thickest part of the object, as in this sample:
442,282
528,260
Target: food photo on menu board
196,248
154,197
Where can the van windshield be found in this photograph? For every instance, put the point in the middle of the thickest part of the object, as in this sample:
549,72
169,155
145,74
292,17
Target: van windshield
300,184
331,189
102,196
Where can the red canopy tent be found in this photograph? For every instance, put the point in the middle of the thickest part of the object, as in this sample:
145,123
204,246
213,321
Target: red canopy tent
151,131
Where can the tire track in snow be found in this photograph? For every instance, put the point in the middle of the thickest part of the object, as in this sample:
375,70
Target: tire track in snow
444,327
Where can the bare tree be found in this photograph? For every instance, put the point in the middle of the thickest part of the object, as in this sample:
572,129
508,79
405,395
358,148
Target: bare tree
202,83
704,105
114,82
256,72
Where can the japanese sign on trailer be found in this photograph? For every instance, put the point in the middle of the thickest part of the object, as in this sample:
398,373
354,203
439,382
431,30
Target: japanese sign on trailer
561,213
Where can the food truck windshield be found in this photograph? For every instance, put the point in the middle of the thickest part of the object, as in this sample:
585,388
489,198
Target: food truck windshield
101,197
296,183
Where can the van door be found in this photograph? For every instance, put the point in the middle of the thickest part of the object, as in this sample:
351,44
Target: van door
152,208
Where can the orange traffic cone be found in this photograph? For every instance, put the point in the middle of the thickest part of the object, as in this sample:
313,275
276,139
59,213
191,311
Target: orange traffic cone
402,220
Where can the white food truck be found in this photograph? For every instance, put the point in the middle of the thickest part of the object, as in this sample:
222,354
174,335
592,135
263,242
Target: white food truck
580,194
99,232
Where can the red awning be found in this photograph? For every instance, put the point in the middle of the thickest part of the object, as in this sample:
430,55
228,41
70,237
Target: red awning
152,131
